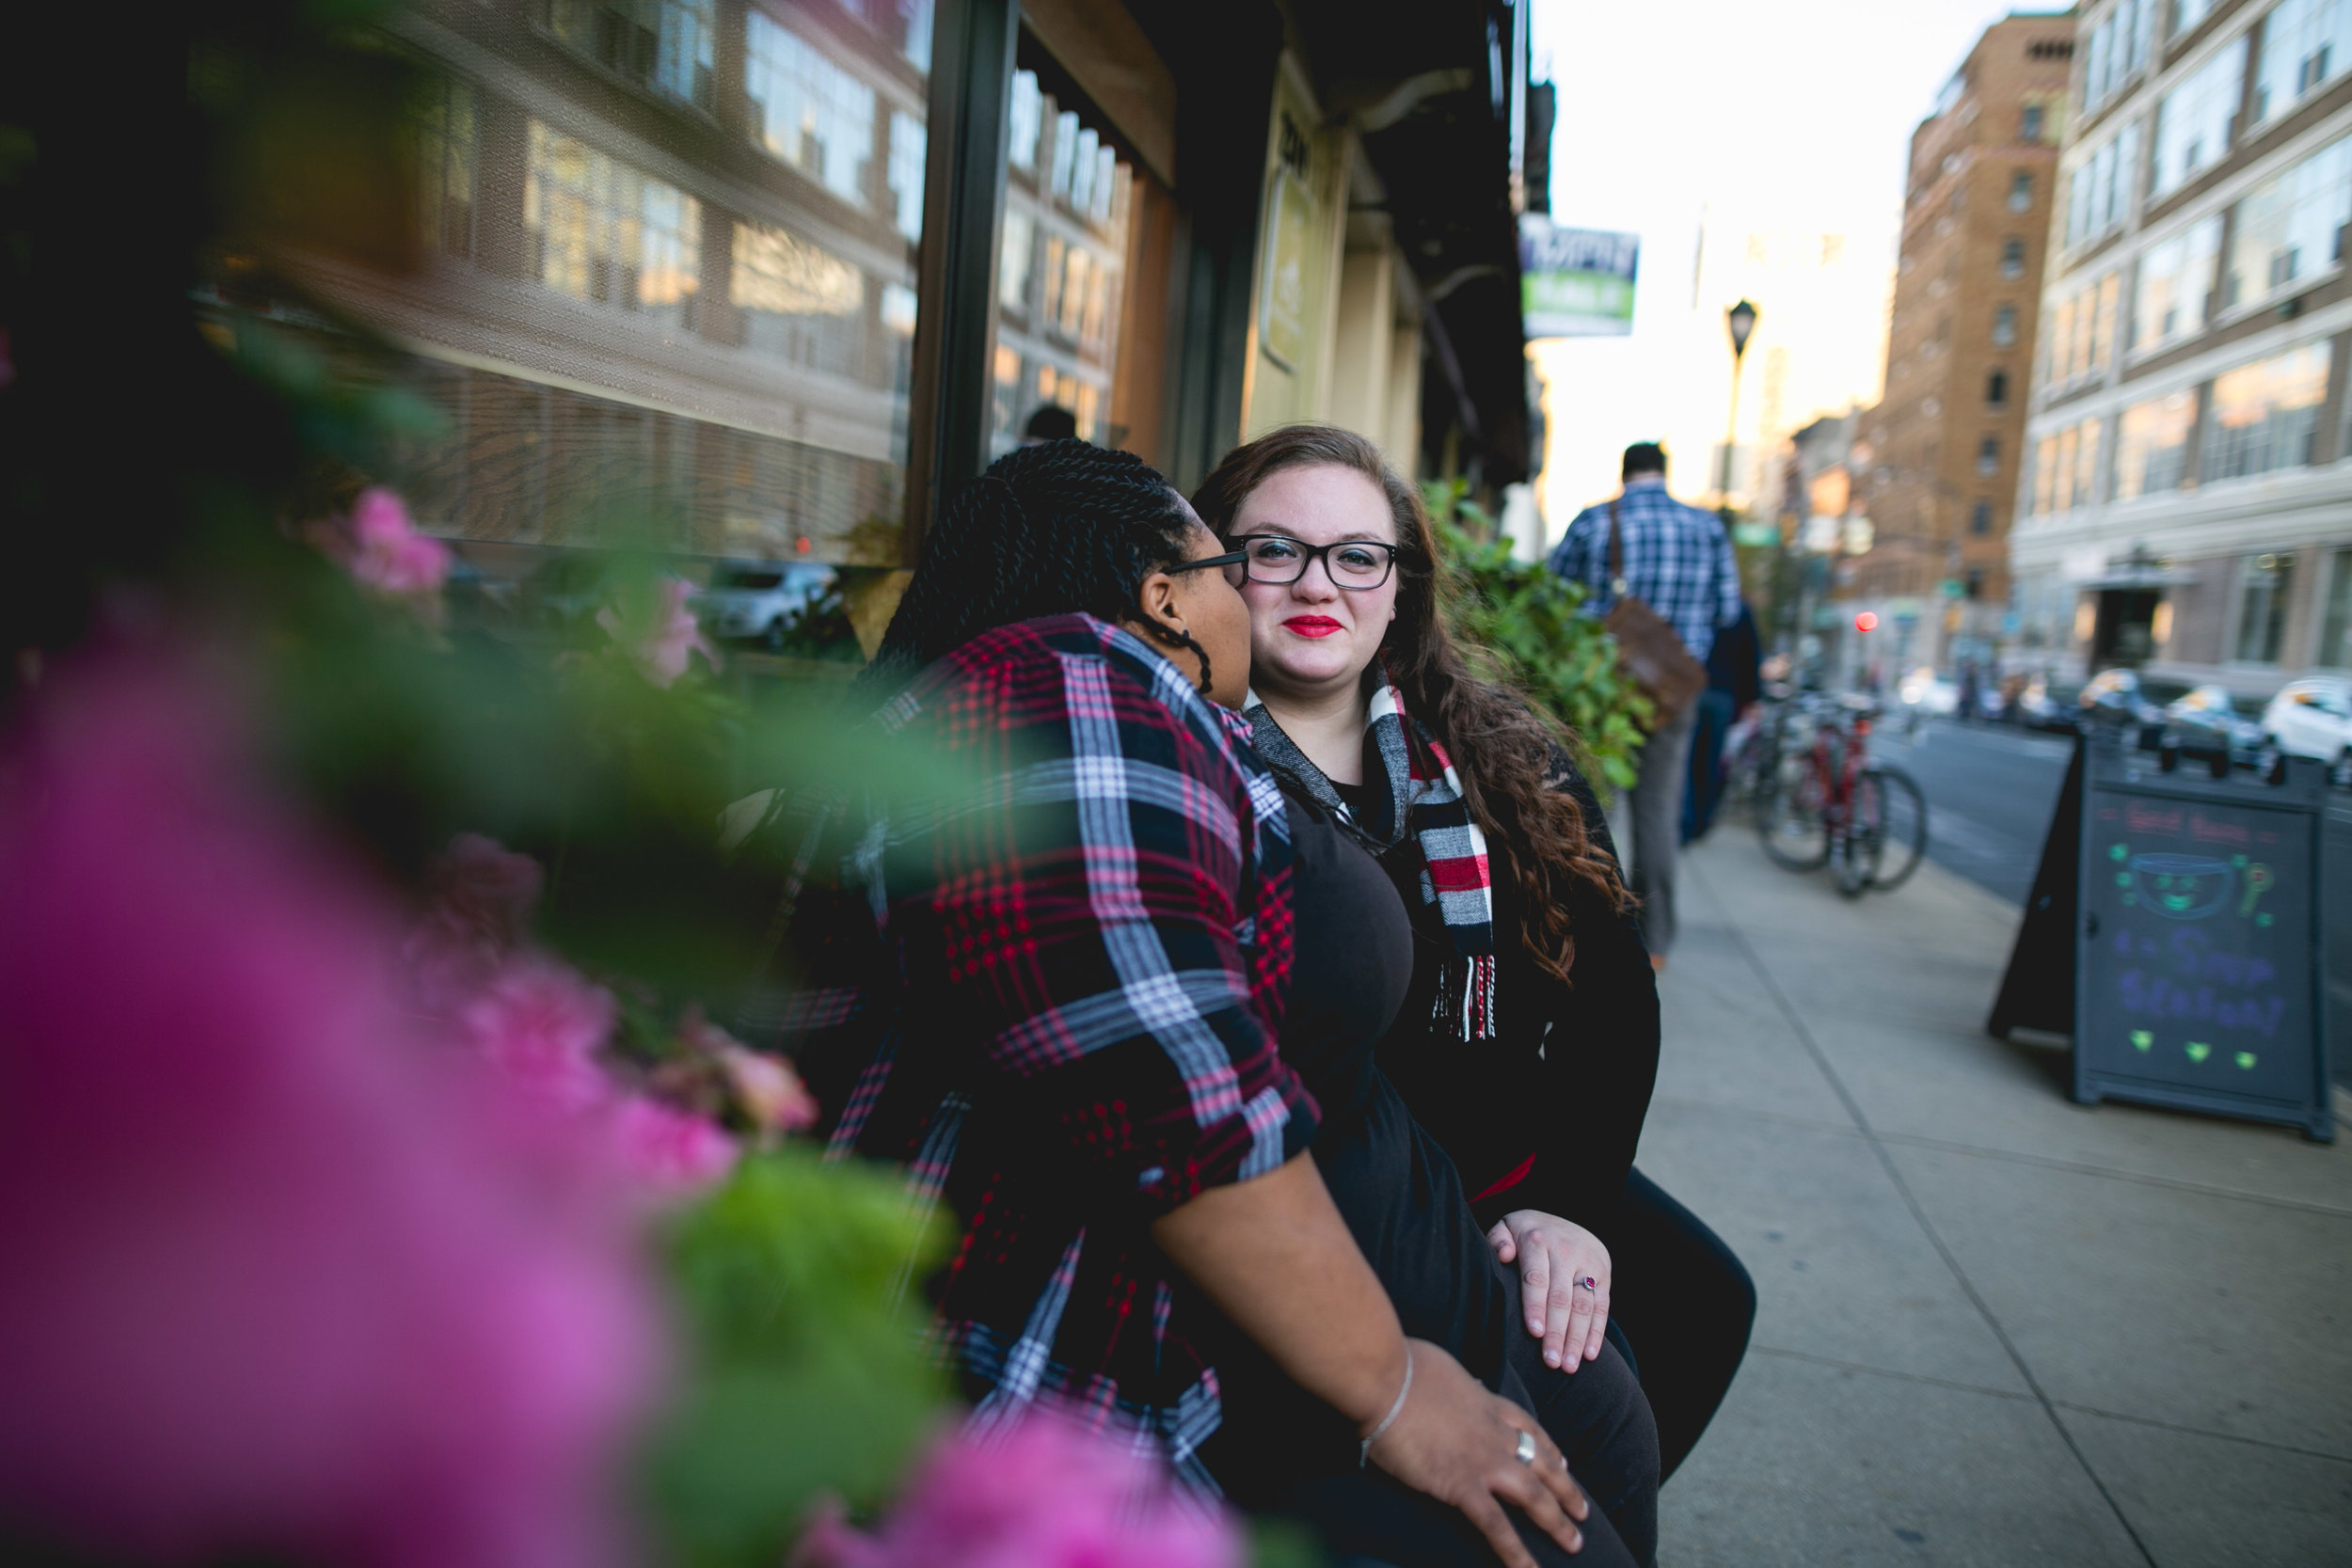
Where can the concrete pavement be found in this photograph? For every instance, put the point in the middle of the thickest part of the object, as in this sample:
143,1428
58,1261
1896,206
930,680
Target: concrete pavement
1995,1328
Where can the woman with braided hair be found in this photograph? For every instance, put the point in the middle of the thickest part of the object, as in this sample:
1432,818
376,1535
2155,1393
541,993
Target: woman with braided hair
1528,1042
1053,995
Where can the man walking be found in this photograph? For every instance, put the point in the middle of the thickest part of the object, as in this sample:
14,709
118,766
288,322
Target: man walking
1678,561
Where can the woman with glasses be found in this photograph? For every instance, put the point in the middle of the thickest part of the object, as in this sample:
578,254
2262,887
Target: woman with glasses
1044,971
1528,1041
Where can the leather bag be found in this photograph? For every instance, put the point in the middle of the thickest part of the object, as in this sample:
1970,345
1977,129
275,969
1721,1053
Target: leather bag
1649,650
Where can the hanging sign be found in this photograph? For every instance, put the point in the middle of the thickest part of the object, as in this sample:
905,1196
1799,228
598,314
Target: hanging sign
1576,283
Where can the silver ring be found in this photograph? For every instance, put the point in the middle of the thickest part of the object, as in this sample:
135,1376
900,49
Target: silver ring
1525,1452
1587,1284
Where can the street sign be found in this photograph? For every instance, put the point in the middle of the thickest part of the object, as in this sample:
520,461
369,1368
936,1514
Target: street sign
1754,534
1952,588
1576,283
2175,930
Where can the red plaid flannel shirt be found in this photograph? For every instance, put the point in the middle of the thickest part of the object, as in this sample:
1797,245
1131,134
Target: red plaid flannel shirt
1052,995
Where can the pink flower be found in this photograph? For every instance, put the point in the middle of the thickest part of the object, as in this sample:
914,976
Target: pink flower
542,1024
770,1094
674,635
282,1282
387,552
669,1149
1048,1493
483,896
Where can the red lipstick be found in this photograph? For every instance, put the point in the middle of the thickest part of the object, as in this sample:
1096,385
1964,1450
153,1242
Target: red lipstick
1312,626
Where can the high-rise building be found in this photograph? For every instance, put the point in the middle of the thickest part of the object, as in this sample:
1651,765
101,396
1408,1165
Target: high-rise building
2188,505
1946,435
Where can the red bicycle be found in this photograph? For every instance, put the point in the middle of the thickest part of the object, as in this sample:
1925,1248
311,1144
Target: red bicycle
1826,803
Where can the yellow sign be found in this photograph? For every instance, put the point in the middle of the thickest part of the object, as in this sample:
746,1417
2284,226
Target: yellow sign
1282,307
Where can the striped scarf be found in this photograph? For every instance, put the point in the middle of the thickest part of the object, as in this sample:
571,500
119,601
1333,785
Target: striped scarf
1423,798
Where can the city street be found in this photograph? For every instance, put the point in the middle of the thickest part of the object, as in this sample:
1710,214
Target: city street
1989,794
1994,1326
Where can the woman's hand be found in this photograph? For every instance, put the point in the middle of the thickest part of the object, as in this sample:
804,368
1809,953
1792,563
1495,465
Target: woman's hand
1460,1444
1555,1257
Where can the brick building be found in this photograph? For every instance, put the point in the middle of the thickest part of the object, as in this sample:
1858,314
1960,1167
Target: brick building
2188,506
1946,440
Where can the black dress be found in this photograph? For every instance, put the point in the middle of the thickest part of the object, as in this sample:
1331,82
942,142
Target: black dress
1279,1448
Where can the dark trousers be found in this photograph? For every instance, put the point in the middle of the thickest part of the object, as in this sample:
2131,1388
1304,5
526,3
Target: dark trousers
1716,712
1686,1304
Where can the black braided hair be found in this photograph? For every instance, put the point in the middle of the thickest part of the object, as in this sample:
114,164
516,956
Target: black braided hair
1056,529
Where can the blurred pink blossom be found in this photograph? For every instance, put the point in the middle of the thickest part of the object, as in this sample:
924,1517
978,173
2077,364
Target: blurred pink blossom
542,1024
283,1283
765,1085
673,636
1047,1494
387,552
669,1149
482,899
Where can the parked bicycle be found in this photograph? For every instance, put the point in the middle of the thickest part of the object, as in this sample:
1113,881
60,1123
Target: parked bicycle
1826,803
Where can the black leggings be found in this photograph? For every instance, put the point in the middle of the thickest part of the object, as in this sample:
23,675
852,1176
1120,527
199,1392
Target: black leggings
1686,1304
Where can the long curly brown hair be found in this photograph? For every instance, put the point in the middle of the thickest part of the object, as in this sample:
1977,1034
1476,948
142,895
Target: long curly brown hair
1505,750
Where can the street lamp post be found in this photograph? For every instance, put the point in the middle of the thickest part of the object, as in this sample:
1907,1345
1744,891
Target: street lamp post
1742,320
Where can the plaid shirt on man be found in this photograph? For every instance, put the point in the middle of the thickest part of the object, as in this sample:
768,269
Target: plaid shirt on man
1677,561
1051,992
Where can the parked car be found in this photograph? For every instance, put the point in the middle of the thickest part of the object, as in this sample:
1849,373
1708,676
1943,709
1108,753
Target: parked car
1927,693
2206,722
2118,698
2042,705
763,601
2313,719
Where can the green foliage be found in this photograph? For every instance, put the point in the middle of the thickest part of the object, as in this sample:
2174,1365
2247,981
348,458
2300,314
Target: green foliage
1527,628
797,1280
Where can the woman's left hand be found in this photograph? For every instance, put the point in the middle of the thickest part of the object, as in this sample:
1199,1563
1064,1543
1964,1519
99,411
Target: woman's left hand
1556,1259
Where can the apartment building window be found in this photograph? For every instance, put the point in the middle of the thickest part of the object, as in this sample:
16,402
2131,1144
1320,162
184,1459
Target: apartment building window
2290,228
2019,192
908,146
2065,464
2266,415
2196,121
1016,259
798,301
2306,44
2265,582
1989,456
2101,193
446,130
2335,624
2004,326
2186,14
665,45
2119,47
1980,518
2175,288
2029,122
807,111
1996,390
2012,256
607,233
2152,445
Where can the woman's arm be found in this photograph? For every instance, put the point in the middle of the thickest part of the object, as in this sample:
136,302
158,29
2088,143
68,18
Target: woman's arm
1274,1254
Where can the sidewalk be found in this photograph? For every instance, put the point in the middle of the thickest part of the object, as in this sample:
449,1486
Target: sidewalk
1996,1327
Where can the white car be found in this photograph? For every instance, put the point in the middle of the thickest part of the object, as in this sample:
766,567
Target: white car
761,600
2313,719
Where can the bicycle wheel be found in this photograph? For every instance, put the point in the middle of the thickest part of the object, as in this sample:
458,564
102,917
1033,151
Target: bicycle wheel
1789,814
1891,810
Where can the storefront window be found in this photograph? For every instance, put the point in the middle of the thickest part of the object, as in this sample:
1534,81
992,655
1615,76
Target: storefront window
1063,263
2261,619
2265,415
2335,631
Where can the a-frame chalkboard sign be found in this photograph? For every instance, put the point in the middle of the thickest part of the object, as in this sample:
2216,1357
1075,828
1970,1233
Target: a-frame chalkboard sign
2175,932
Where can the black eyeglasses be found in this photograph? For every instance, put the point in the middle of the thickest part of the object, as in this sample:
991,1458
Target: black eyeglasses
1355,564
1230,557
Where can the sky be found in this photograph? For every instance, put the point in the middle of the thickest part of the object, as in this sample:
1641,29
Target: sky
1792,119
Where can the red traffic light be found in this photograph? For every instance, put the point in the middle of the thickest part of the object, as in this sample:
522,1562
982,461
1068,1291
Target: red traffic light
1866,621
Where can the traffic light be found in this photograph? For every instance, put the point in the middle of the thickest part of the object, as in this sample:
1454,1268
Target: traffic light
1866,621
